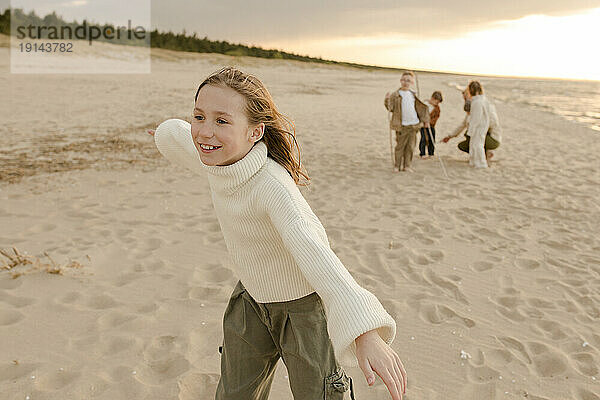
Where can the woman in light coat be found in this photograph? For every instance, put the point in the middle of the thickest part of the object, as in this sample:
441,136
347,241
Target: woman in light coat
482,124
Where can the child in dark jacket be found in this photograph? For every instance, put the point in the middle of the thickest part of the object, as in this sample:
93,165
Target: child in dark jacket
428,134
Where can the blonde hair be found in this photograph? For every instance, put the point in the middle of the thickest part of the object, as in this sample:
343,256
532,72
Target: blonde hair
408,73
279,134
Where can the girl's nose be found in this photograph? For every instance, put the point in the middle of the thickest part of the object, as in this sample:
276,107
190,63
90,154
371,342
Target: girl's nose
203,132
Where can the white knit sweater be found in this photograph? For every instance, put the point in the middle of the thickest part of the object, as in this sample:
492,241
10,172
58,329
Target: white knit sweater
278,246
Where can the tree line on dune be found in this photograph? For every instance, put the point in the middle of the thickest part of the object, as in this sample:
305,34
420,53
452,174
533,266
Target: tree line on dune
163,40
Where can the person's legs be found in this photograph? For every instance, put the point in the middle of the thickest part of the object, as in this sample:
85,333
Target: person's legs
431,147
477,151
409,148
249,355
464,145
402,139
398,154
423,142
306,349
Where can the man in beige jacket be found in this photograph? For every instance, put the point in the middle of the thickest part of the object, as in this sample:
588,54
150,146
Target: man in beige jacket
409,114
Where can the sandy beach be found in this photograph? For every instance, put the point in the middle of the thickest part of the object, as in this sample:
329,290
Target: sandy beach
493,276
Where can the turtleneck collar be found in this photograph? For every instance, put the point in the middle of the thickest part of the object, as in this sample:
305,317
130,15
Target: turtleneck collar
229,178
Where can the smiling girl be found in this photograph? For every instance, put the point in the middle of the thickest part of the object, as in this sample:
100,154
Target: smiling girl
294,299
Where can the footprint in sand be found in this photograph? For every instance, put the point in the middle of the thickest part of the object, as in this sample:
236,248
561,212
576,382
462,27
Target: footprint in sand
585,363
436,255
214,275
42,228
8,283
116,344
201,343
162,361
195,386
70,298
438,313
482,374
481,266
119,373
584,301
148,308
153,266
584,394
446,285
206,293
55,380
12,372
76,214
101,301
152,244
510,313
553,330
126,278
112,319
420,259
424,239
540,303
83,343
123,233
16,301
516,348
547,361
9,317
527,263
562,266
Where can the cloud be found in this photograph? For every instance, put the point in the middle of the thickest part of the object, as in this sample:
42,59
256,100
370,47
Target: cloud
265,21
75,3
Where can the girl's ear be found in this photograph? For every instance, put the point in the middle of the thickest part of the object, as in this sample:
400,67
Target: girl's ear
257,132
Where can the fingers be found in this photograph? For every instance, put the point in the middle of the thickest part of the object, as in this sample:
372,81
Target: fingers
365,366
392,383
402,372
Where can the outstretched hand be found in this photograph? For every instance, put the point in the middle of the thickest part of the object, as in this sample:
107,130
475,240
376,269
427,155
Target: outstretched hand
446,139
151,132
374,355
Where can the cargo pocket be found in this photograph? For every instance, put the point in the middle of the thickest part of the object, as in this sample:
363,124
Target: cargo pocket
337,384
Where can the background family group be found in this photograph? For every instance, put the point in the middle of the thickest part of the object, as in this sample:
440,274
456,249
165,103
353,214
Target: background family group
410,115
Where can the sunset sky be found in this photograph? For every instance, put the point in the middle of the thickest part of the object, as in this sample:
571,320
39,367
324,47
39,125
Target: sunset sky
540,38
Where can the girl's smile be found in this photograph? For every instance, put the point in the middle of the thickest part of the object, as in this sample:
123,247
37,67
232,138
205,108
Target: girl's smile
205,148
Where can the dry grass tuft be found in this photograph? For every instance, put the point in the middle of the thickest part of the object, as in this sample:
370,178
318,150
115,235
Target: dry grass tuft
19,264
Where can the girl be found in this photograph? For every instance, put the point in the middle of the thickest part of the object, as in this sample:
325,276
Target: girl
294,299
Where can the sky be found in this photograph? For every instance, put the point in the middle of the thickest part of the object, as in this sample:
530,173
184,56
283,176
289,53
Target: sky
539,38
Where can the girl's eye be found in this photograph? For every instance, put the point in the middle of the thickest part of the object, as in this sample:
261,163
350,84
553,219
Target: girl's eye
221,121
199,117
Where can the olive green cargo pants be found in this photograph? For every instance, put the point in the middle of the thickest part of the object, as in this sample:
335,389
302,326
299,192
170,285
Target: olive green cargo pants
490,143
406,138
256,335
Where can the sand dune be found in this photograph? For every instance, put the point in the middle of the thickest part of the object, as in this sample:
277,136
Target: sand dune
492,276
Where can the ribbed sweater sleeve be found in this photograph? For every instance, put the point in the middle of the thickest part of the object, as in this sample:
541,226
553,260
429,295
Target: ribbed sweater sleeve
173,139
351,310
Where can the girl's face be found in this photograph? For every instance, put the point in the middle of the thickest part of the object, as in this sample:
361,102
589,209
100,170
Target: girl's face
220,127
